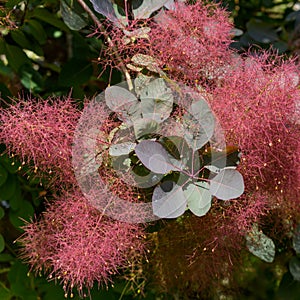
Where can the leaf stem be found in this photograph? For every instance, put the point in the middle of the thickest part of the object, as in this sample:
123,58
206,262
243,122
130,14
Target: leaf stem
110,42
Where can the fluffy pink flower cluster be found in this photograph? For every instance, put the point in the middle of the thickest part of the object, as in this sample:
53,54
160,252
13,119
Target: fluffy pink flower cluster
76,245
41,132
191,41
72,242
256,104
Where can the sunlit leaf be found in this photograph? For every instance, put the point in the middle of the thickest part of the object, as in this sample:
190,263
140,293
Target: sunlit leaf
227,184
198,198
146,61
154,157
123,102
156,100
200,124
105,8
72,14
143,127
170,203
121,149
147,7
260,245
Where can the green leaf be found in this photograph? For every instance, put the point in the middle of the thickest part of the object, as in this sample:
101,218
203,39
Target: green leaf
260,245
36,30
3,175
294,267
227,184
31,79
24,212
2,243
5,257
19,37
44,15
72,14
20,283
168,203
22,40
2,212
8,189
16,57
198,198
15,201
5,293
75,72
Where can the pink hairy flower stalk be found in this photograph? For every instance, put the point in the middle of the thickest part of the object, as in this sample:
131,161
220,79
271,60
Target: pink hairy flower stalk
191,42
41,132
76,245
256,105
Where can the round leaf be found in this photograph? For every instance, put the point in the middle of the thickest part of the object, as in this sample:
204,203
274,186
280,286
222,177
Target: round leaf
72,14
143,127
228,184
105,8
294,266
121,101
170,204
260,245
147,7
200,124
121,149
198,198
156,100
154,157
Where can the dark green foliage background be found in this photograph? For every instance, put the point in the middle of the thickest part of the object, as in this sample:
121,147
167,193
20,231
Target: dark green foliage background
44,57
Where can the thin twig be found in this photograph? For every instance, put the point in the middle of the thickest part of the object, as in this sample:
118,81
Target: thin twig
110,42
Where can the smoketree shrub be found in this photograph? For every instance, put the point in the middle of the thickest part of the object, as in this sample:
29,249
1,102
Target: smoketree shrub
198,134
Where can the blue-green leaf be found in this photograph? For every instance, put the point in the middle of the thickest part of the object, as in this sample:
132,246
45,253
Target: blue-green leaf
199,124
168,203
154,157
260,245
227,184
294,267
198,198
